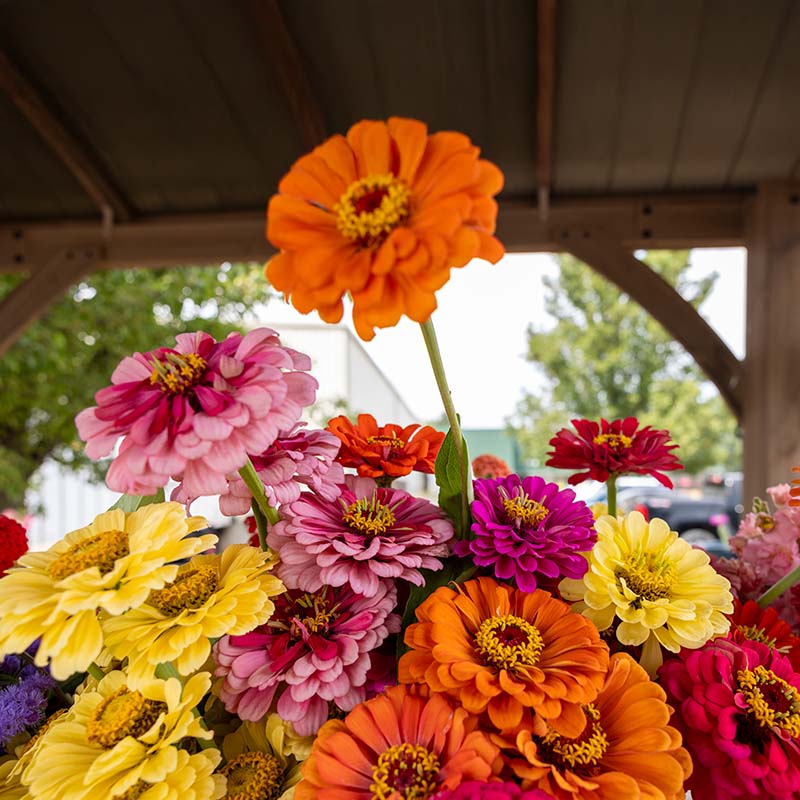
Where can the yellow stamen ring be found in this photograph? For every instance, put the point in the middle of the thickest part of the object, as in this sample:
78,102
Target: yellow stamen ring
123,713
771,701
407,771
253,776
369,516
371,208
509,642
101,550
190,590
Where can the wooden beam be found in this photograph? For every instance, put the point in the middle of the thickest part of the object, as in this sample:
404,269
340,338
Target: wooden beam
679,318
545,99
280,50
656,221
30,299
75,155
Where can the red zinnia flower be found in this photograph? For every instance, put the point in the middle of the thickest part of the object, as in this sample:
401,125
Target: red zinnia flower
13,542
750,622
613,448
385,450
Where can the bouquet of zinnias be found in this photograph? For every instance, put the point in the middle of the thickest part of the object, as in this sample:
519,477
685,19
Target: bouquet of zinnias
368,644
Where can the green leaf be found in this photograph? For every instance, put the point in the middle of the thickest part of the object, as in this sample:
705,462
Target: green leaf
447,471
131,502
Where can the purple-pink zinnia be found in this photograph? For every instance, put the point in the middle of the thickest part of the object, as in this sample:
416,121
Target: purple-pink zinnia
526,529
738,708
315,650
492,790
194,412
295,459
367,536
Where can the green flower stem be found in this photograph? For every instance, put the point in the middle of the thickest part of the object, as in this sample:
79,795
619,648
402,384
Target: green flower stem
611,484
95,671
166,670
263,512
429,335
779,587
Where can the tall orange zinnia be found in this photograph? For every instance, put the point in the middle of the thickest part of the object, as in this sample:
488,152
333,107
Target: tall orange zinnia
400,744
500,650
626,749
382,214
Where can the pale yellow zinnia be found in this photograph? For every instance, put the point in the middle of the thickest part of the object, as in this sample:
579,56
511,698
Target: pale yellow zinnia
112,564
210,597
263,759
117,740
661,591
10,786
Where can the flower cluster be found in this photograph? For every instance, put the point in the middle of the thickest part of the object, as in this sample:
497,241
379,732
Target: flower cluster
505,643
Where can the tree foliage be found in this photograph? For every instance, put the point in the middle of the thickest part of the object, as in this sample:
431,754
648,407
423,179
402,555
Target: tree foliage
54,369
606,356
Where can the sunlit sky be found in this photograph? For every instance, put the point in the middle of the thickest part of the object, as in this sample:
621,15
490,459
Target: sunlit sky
481,322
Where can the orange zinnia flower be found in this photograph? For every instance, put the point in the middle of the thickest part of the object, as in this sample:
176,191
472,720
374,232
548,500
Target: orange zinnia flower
627,748
382,214
500,650
385,450
399,744
795,490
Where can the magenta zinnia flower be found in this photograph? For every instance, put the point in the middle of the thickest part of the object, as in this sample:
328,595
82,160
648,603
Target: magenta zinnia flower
491,790
315,650
295,459
195,411
738,708
368,535
613,448
526,529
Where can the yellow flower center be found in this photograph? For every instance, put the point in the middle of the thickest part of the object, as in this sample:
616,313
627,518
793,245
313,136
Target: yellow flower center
135,792
771,701
509,642
372,208
101,550
387,441
765,521
614,441
579,754
253,776
407,771
123,713
192,588
315,615
368,516
178,373
755,634
523,508
649,575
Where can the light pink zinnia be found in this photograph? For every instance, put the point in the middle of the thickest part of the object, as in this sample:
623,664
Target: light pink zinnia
314,651
195,411
296,458
369,535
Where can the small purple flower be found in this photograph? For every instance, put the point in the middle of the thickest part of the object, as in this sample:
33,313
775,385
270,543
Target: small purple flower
23,697
527,529
481,790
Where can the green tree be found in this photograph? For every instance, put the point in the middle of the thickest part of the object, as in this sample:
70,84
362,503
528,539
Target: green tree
58,364
606,356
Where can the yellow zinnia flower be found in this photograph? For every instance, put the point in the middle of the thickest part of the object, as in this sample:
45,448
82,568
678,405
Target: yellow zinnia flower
659,589
112,564
264,758
10,787
211,596
114,739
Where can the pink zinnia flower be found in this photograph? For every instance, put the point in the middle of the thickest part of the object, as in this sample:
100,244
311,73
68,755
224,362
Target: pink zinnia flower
738,708
369,535
195,411
314,651
295,459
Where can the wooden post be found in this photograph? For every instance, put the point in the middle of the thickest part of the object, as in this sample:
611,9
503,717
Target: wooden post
771,422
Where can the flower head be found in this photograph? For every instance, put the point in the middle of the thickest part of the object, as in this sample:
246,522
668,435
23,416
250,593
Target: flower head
23,698
489,466
315,652
210,596
494,648
399,744
385,451
751,623
194,412
111,565
526,529
382,215
626,749
367,536
661,589
116,739
13,543
738,707
297,458
613,448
